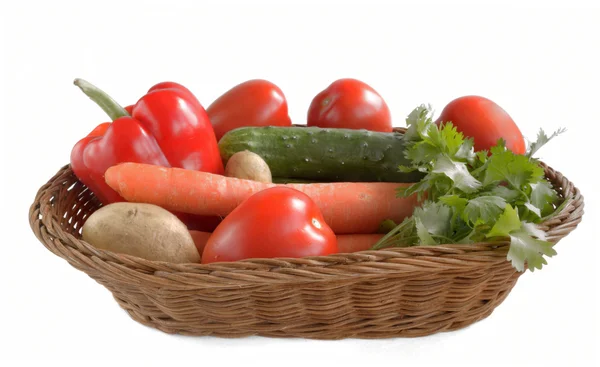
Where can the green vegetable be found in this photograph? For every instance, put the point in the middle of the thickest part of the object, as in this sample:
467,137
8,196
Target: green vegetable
470,197
324,154
283,180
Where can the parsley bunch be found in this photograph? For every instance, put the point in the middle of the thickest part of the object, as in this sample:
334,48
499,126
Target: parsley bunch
469,197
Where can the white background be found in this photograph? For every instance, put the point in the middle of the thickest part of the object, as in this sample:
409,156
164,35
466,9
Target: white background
539,63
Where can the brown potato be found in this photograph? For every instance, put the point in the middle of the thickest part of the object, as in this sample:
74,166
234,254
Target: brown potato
143,230
249,166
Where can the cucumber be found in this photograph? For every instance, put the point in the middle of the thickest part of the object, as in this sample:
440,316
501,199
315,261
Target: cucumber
323,154
285,180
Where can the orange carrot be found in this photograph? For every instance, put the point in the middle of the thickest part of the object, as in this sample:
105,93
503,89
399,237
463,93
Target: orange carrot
346,242
356,242
348,207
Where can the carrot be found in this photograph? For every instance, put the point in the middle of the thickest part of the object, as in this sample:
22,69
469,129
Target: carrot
356,242
346,242
348,207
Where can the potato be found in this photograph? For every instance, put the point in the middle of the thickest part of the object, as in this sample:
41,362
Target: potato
143,230
249,166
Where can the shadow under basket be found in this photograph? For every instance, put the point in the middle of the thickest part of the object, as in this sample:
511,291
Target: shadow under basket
399,292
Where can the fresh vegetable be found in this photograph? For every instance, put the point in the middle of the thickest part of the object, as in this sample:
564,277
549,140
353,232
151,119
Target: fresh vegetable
285,180
176,120
143,230
255,102
346,243
468,197
200,239
128,139
350,104
248,166
323,154
123,140
484,121
276,222
348,207
181,127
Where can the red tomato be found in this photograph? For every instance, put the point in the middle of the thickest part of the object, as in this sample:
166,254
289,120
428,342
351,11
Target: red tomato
350,104
255,102
484,121
276,222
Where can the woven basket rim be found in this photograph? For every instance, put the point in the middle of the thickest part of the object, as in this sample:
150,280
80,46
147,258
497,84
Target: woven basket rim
447,257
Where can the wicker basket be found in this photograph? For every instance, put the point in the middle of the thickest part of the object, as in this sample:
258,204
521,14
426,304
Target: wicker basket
401,292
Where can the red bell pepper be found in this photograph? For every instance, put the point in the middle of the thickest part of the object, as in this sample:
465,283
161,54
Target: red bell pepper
123,140
176,119
168,127
181,127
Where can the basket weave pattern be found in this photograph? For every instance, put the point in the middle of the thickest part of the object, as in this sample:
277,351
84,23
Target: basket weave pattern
399,292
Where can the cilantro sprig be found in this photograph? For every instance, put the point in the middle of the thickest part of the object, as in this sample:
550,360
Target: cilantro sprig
469,196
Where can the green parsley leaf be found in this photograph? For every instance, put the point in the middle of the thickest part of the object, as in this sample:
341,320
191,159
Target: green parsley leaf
469,196
457,204
454,201
435,216
509,195
451,138
542,139
420,188
483,209
425,238
507,222
466,151
422,153
532,208
515,169
524,247
479,165
457,172
418,122
542,196
482,156
499,148
386,226
465,234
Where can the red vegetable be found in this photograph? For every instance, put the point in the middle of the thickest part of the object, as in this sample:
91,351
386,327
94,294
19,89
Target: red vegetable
169,128
123,140
484,121
174,118
276,222
200,239
252,103
181,127
350,104
346,243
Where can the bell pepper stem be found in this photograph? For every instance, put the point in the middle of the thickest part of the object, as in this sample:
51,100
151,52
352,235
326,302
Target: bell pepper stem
112,108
